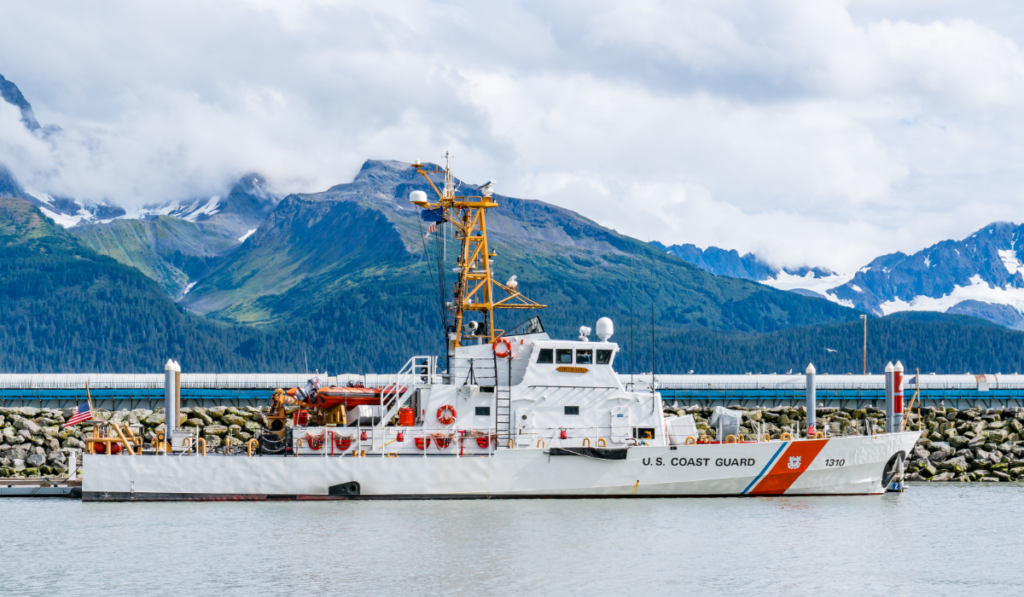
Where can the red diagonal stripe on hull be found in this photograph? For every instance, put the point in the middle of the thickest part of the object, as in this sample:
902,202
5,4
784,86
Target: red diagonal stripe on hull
781,477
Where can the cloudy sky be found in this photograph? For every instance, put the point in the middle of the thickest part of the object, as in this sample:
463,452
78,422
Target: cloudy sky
810,132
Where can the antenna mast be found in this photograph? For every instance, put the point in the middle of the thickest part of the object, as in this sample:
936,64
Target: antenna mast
475,288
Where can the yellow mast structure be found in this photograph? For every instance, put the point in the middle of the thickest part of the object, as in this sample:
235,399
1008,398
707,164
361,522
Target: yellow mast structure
475,289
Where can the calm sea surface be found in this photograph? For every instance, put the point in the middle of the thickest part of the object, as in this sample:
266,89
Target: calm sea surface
931,540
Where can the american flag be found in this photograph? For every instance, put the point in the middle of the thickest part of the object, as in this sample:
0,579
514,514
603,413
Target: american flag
84,413
431,229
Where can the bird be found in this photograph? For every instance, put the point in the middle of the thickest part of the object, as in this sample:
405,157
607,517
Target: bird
830,350
487,188
690,372
790,372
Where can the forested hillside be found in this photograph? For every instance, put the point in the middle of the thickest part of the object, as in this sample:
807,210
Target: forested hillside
65,308
933,342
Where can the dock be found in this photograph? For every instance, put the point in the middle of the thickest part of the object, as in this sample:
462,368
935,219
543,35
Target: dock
41,488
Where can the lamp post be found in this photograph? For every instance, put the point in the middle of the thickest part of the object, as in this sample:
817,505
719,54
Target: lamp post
865,318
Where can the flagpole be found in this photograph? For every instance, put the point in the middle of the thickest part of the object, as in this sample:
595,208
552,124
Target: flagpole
88,396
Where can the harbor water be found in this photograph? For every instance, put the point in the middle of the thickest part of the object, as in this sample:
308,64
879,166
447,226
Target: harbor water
934,539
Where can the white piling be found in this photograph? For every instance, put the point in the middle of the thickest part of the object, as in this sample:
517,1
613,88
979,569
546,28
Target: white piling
171,381
812,398
889,369
897,398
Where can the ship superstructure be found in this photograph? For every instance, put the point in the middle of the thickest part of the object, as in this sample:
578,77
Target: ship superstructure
512,414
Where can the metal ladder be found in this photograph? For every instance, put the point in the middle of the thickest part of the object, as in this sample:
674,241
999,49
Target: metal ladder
503,402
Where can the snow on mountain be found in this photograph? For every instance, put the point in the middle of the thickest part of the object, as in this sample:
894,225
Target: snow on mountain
817,285
981,275
191,210
72,212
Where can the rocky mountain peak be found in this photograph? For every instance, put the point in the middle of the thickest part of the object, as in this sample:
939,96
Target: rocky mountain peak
12,95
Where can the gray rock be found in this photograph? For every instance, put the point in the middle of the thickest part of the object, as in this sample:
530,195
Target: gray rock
946,476
997,436
56,456
194,422
35,460
957,465
959,441
154,419
214,430
16,453
73,442
9,435
30,426
232,419
920,452
1001,475
928,470
18,464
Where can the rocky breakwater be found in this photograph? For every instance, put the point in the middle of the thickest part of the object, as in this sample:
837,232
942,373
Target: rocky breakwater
33,442
956,445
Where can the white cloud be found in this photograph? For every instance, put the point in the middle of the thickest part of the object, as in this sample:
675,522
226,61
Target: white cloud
811,132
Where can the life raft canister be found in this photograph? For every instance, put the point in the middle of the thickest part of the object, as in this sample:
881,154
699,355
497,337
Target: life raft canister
499,353
446,415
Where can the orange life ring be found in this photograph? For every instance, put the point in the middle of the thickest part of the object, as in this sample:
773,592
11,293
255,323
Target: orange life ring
446,415
508,348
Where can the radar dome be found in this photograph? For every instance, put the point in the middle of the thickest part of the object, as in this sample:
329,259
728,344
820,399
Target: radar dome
605,329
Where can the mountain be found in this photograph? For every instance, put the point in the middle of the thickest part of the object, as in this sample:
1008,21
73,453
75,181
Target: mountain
981,276
350,271
316,249
63,308
65,211
12,95
179,243
722,262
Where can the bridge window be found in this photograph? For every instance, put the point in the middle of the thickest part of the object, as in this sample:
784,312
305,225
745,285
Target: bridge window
604,357
546,355
564,356
572,410
584,357
483,411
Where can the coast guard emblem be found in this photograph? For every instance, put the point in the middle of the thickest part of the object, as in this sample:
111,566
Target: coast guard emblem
794,462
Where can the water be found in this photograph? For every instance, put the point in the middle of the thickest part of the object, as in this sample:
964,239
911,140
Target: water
931,540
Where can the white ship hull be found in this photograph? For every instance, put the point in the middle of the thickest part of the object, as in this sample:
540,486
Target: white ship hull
851,465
